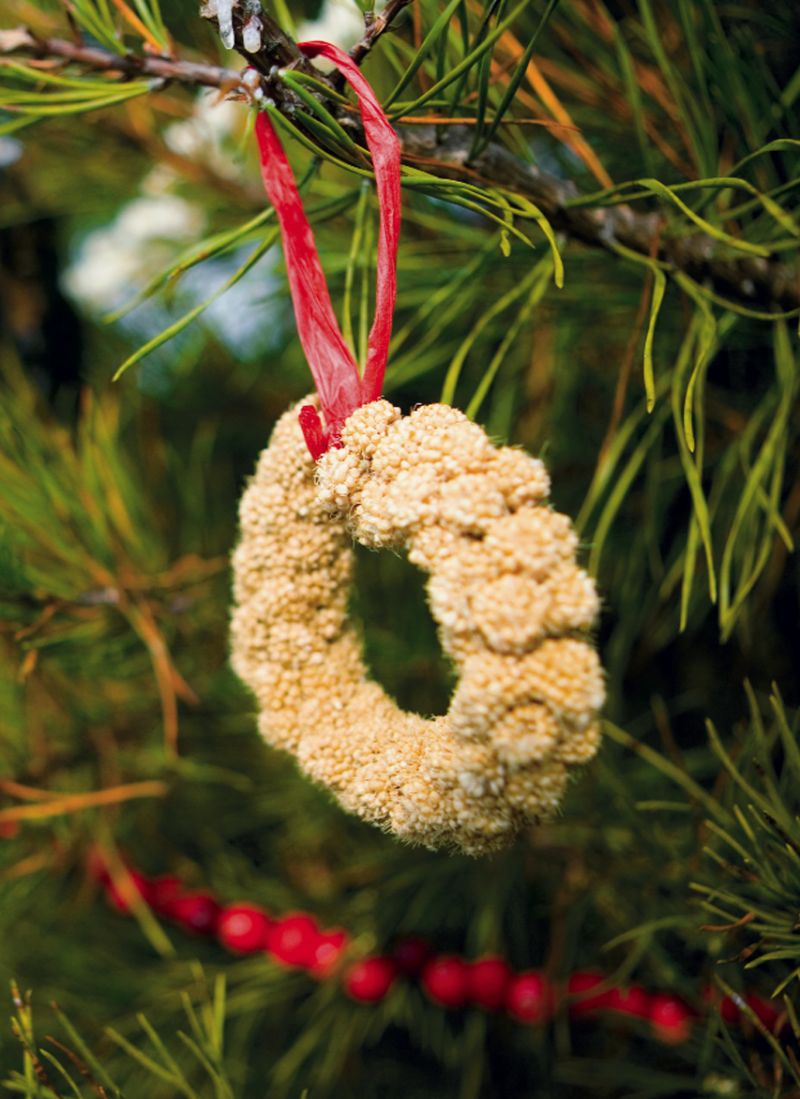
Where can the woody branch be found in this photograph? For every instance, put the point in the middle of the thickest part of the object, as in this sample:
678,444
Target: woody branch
444,151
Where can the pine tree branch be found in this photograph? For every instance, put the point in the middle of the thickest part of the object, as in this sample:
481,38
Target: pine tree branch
129,65
444,151
276,48
377,24
751,280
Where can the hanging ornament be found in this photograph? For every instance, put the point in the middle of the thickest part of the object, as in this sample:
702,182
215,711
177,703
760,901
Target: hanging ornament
511,604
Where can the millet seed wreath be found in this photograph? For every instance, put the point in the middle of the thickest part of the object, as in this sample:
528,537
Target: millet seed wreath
511,604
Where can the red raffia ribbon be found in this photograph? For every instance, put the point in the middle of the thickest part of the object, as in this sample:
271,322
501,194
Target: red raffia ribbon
340,387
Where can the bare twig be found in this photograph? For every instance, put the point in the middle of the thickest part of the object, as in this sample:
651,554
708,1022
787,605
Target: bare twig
377,24
444,151
129,65
91,799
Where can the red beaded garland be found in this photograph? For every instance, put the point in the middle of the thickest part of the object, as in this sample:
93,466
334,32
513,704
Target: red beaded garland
327,950
163,891
243,928
446,980
197,912
411,953
97,866
487,982
729,1010
530,997
292,940
370,979
727,1007
120,894
765,1011
670,1018
579,991
633,1000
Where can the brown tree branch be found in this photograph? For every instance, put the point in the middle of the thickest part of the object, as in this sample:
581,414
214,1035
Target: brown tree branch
763,284
129,65
759,283
276,48
377,24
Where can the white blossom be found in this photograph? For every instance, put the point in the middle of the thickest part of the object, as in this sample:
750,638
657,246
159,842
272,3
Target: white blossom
339,21
115,261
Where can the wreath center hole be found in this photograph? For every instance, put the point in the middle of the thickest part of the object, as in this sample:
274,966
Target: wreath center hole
401,646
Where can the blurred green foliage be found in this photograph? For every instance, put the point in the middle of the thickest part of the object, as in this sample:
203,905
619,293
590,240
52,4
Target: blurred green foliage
668,419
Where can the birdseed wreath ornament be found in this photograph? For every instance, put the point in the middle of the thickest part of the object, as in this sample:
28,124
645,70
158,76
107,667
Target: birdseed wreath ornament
511,604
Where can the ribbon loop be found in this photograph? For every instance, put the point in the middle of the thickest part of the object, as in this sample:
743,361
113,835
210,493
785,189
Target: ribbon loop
339,385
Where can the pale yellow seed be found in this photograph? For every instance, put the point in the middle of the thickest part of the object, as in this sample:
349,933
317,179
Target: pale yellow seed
504,589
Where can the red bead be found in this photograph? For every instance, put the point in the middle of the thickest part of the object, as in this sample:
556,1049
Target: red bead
630,1001
487,982
670,1018
530,997
411,953
327,950
196,912
446,980
120,893
579,988
97,866
725,1005
370,979
765,1011
243,928
292,940
163,891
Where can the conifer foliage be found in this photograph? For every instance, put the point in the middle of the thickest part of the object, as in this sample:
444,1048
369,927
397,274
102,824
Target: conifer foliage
599,263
